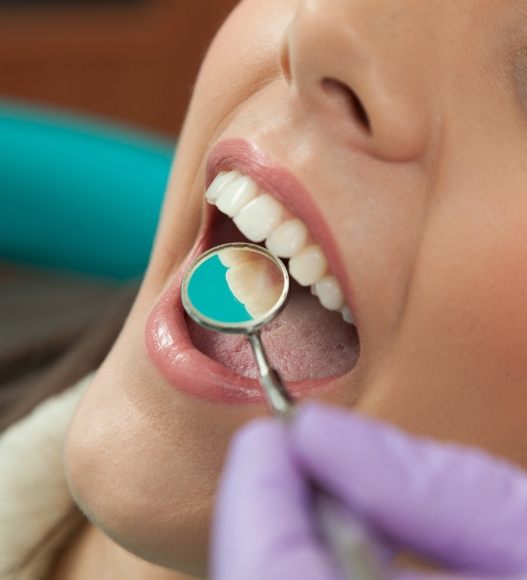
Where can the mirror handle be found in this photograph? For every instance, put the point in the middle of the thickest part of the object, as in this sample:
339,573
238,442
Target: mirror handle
278,399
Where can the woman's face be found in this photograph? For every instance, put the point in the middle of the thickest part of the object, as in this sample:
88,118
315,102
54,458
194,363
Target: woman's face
405,124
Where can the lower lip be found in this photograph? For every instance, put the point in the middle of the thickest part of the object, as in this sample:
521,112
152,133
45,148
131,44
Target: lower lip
186,368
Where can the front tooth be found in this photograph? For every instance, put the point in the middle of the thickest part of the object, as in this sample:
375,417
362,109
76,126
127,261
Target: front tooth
259,217
329,293
346,315
236,195
218,185
230,257
308,266
287,239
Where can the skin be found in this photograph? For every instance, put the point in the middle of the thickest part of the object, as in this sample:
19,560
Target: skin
428,206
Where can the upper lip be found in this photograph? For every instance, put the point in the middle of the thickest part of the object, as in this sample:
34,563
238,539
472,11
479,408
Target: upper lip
248,159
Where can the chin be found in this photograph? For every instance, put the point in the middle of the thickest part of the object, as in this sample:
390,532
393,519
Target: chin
130,482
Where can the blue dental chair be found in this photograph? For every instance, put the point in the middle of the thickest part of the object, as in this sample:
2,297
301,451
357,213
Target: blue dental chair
79,205
78,195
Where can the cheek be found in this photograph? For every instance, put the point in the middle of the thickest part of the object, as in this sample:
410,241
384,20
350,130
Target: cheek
458,365
133,474
241,59
474,282
243,56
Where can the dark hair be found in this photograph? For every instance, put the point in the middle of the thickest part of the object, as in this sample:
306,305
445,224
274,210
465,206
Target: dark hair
51,356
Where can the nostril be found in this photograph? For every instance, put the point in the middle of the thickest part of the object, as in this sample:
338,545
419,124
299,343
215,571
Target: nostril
285,62
340,90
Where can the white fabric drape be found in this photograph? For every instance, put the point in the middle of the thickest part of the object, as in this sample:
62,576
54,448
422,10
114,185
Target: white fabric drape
33,490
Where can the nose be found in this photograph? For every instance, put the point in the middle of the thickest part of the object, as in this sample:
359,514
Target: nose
361,66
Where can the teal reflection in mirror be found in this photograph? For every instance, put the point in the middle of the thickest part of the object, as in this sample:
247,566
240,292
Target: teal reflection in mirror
235,287
209,292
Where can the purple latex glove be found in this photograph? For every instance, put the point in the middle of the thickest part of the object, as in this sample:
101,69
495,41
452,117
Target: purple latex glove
457,506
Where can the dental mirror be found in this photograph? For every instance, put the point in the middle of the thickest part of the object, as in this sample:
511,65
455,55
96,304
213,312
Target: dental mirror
239,288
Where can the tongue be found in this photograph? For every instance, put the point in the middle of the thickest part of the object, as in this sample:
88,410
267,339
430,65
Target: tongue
305,342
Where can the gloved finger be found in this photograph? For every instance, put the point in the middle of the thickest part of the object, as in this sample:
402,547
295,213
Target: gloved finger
401,574
262,525
458,506
414,575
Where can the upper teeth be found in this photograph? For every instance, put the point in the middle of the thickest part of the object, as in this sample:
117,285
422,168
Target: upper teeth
260,217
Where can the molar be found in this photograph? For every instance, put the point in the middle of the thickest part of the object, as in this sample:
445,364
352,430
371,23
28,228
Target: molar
329,293
347,316
308,266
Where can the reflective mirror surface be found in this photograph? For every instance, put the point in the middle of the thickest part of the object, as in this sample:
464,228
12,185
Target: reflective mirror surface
235,288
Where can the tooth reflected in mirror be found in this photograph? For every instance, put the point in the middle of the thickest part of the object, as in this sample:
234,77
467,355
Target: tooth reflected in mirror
254,280
235,288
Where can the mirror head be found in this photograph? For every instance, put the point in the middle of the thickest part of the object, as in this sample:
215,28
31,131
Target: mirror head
235,288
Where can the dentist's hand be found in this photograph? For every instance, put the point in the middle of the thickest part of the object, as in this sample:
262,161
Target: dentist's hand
457,506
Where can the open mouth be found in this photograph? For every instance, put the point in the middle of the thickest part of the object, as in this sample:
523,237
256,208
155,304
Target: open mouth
314,340
306,341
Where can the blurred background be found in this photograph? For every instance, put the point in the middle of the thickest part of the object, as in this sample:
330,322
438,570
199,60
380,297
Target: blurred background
127,60
92,97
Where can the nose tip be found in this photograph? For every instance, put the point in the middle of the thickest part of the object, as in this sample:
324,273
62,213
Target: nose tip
359,76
